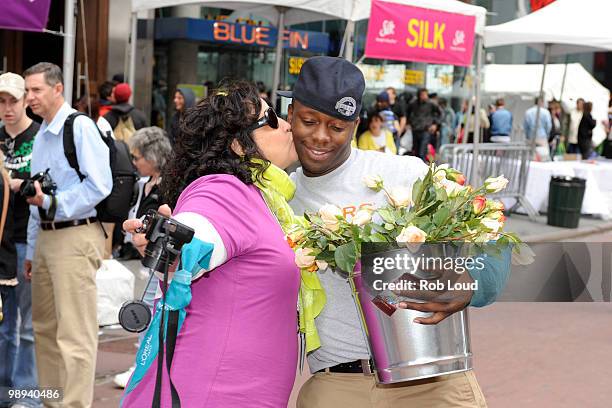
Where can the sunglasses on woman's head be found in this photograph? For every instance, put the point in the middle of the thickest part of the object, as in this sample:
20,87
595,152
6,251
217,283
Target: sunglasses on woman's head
269,118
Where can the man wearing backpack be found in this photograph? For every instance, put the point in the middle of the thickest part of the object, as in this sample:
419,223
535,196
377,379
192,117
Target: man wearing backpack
65,240
123,117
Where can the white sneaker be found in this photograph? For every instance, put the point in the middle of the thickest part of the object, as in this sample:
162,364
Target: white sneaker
122,379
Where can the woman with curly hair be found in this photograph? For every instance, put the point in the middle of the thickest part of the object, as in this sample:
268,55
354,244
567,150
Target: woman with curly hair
237,346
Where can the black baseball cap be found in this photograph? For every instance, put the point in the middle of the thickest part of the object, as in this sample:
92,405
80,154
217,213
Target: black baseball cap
330,85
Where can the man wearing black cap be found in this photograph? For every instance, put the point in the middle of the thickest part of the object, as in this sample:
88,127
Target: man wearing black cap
323,116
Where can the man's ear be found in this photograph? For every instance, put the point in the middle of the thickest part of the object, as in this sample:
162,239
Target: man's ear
237,148
58,88
290,113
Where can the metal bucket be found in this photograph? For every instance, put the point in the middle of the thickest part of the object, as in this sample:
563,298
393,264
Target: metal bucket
405,351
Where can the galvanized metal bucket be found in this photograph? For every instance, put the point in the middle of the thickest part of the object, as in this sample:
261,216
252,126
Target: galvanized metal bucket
403,350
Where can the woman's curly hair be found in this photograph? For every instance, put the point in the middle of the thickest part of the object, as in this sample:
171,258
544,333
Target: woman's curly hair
206,133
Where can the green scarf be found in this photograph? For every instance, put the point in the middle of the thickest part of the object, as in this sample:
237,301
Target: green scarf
277,190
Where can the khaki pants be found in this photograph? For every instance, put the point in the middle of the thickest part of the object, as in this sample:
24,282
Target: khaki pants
64,312
333,390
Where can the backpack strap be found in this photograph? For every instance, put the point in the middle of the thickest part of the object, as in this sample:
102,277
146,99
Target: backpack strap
69,146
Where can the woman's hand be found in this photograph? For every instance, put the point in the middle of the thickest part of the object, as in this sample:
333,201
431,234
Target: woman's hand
138,239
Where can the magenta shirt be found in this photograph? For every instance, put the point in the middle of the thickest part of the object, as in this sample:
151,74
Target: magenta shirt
238,344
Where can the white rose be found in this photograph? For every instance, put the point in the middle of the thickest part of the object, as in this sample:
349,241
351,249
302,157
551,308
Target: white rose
411,235
322,265
439,176
495,205
399,197
329,214
362,217
493,224
452,189
373,182
303,259
495,184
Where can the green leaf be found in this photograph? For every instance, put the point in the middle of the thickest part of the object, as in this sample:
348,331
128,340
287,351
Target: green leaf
367,230
417,189
441,194
377,237
441,216
355,232
322,241
389,227
378,228
387,215
346,257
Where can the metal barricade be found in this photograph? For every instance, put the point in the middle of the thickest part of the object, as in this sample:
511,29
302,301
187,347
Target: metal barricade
494,159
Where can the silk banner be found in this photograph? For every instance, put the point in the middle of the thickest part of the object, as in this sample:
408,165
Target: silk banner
406,33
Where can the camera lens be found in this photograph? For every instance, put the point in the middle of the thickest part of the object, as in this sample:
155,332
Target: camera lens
27,189
154,256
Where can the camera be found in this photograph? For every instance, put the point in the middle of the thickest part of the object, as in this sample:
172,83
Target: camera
166,238
47,184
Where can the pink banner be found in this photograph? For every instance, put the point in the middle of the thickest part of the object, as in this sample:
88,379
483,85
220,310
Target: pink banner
406,33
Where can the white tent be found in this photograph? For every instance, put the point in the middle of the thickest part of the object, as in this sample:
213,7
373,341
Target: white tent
520,84
569,26
562,27
299,11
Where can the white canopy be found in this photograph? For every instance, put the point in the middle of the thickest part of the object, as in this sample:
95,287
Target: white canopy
301,11
568,25
520,84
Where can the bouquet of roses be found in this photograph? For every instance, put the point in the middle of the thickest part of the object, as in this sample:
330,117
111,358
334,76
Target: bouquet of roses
439,208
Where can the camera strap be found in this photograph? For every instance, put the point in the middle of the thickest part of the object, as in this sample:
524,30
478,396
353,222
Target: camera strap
49,215
171,334
170,337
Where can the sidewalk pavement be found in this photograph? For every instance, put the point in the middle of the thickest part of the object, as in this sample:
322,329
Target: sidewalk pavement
528,355
540,231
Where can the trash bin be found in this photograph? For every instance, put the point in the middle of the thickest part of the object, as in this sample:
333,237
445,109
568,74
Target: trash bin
565,197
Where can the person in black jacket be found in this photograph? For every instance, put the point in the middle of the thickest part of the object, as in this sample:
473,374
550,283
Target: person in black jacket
424,118
184,98
585,131
122,110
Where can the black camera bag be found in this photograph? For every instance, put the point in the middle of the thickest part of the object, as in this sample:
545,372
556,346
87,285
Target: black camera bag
116,206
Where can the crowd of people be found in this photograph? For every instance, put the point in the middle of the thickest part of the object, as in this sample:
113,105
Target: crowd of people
220,170
419,125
